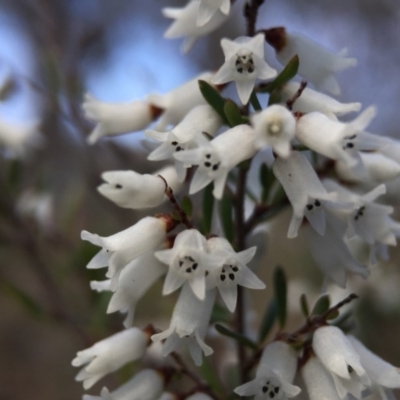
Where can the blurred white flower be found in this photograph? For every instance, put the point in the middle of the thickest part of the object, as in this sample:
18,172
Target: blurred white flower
217,157
207,8
244,64
110,354
185,23
274,126
316,63
189,324
116,118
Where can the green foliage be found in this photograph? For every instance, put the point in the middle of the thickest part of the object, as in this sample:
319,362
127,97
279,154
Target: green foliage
304,305
237,336
232,113
322,305
280,292
213,98
268,320
255,102
187,206
266,178
208,208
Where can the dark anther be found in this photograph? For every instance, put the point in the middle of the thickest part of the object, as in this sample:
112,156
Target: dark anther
118,186
188,270
250,70
179,148
174,143
208,155
191,259
195,265
232,277
207,164
237,62
356,218
251,61
309,207
272,395
240,70
352,137
215,167
350,369
180,263
235,269
276,390
265,389
222,277
350,145
317,203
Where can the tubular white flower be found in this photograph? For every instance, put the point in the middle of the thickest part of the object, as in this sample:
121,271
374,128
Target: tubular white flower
129,189
339,357
338,140
383,375
134,282
311,100
185,23
188,261
244,64
145,385
317,64
184,136
304,191
123,247
110,354
274,375
231,271
318,381
217,157
116,118
189,324
177,103
275,126
207,8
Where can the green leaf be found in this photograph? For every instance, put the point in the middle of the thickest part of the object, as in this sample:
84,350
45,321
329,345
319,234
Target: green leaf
255,102
285,76
232,113
213,98
237,336
322,305
280,291
187,206
333,314
304,305
274,98
268,321
226,214
220,314
211,376
267,178
208,207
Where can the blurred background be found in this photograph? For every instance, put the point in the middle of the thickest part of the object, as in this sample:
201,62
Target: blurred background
51,53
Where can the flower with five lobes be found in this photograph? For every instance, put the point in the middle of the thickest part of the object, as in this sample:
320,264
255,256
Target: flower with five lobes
188,261
207,8
316,63
275,126
189,324
217,157
275,374
231,271
244,64
110,354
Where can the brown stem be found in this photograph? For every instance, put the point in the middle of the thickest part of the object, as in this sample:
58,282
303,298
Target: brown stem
290,102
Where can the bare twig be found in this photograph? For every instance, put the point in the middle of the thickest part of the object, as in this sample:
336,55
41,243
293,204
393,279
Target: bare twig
290,102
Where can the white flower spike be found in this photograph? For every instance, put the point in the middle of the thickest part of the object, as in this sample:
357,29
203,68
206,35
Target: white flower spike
317,64
207,8
185,23
189,324
117,118
217,157
275,126
274,375
232,271
244,64
339,357
110,354
188,261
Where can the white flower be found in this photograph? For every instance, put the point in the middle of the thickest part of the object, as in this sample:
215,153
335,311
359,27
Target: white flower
185,23
184,136
145,385
231,271
121,248
319,382
188,261
316,63
304,191
311,100
274,375
217,157
177,103
116,118
338,140
207,8
189,324
129,189
383,375
275,126
110,354
244,64
134,282
339,357
101,286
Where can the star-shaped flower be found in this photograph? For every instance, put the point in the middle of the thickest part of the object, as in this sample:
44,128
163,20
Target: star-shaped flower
244,64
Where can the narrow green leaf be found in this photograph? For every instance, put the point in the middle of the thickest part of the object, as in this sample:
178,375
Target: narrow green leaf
187,206
322,305
232,113
213,98
274,98
210,375
237,336
285,76
268,320
255,102
280,291
208,207
220,314
304,305
267,178
225,212
333,314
